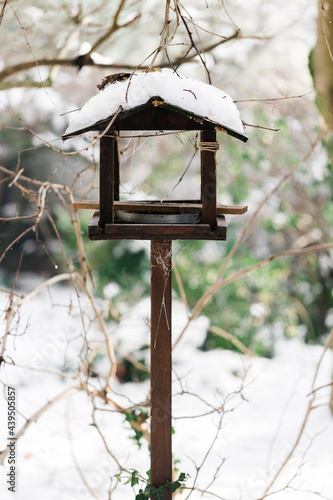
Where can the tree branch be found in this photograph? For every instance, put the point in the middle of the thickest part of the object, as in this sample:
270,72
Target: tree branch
67,393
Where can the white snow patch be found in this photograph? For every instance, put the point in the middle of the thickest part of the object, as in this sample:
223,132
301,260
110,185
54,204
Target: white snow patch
257,432
191,95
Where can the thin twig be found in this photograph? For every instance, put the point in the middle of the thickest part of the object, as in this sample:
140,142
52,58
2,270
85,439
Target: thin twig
218,283
305,420
65,394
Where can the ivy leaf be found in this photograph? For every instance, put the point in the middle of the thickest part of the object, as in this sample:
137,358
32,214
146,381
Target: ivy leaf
173,486
134,479
141,495
157,493
117,476
182,477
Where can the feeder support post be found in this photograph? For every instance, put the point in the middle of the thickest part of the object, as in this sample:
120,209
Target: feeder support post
161,366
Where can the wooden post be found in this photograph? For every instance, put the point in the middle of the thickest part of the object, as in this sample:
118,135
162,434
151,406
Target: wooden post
161,425
108,179
116,168
208,179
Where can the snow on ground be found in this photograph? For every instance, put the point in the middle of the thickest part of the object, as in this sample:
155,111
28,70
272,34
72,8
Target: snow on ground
264,401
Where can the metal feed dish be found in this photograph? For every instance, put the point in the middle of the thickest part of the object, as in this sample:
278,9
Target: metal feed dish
132,217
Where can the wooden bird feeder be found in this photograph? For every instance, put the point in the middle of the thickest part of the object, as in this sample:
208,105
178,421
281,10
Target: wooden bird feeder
158,101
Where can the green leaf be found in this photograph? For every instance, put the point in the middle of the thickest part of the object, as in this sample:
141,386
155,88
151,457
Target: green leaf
182,477
157,493
141,495
134,479
173,486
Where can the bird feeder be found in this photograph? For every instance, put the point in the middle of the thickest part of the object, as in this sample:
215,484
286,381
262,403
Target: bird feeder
158,101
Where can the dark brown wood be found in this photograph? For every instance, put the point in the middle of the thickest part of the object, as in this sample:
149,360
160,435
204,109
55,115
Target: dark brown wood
166,207
161,365
208,180
116,170
157,231
106,180
160,116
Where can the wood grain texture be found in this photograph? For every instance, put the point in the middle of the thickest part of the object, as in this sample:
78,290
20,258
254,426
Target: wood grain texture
157,117
156,231
106,180
208,180
116,169
161,365
166,207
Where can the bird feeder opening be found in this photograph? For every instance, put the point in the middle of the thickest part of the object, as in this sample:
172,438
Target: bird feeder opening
159,166
156,102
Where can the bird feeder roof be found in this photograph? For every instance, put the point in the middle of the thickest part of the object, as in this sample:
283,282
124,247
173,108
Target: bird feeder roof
153,98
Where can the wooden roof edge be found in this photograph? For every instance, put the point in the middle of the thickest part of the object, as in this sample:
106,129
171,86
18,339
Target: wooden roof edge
158,102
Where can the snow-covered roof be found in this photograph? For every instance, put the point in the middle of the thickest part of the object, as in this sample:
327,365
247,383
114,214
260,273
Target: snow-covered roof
192,96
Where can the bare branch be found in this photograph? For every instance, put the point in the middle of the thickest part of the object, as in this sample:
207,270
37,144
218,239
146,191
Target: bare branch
114,27
304,423
66,394
231,338
324,17
3,11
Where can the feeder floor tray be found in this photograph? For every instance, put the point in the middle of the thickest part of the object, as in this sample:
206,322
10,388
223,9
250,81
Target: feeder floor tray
157,231
136,217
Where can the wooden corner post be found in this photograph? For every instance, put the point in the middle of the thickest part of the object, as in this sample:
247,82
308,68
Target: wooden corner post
208,177
161,366
108,179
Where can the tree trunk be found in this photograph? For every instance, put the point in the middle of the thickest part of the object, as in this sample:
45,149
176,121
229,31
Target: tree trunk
321,62
321,67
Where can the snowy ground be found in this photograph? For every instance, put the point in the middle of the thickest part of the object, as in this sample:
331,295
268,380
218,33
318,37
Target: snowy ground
259,424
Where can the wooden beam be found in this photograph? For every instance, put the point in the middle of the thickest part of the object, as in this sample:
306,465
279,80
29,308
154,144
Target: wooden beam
157,231
172,207
161,365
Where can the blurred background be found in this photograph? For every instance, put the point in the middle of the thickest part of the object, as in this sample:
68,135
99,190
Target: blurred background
259,54
265,292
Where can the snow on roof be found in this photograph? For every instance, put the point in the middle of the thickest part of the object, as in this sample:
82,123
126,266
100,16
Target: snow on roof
191,95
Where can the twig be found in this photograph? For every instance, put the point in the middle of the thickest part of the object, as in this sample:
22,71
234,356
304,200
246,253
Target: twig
322,11
66,394
199,467
76,463
180,287
32,52
231,338
121,468
218,283
73,153
274,98
193,45
164,35
305,420
114,27
3,11
260,126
